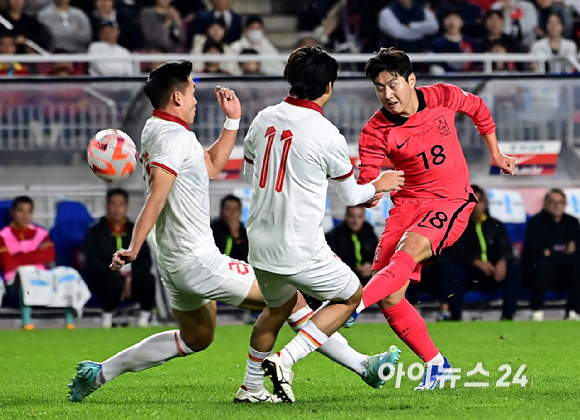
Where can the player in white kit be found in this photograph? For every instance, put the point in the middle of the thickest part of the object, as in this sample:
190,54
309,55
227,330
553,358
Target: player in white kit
177,171
291,150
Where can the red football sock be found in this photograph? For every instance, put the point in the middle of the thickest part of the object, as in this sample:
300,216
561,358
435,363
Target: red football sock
406,322
390,279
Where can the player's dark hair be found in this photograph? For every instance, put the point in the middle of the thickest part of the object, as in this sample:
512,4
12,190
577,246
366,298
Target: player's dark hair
390,59
117,191
229,197
22,199
165,79
309,70
554,191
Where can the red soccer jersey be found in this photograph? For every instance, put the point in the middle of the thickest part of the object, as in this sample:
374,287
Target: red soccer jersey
424,146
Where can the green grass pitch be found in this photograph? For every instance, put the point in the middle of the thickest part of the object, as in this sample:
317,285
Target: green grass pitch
36,366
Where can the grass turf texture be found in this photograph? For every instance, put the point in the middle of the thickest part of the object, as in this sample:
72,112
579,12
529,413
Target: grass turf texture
36,366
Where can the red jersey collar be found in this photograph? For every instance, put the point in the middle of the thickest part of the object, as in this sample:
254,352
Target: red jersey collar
305,103
169,117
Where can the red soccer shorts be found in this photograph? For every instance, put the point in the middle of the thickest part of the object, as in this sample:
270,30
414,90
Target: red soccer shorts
440,220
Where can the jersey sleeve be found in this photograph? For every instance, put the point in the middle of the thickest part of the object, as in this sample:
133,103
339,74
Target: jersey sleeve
168,154
335,160
467,103
372,151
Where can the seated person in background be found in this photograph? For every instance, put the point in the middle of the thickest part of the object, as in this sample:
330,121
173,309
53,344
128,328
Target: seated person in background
25,26
488,257
254,37
250,68
161,25
111,233
354,241
104,10
221,9
216,31
493,24
520,20
453,41
147,67
212,67
107,46
68,26
408,24
8,46
229,232
548,7
551,256
555,47
24,243
498,47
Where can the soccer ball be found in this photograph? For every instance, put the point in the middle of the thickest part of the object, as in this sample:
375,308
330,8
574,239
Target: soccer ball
112,155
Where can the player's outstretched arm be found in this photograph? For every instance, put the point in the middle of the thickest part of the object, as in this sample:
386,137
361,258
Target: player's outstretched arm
507,164
161,183
218,154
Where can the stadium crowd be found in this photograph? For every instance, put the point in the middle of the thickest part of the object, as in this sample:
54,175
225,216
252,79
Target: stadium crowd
121,27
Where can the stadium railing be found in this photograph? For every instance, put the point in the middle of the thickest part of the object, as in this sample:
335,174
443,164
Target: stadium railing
138,59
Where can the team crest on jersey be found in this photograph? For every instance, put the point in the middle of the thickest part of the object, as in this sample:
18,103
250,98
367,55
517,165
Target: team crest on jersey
442,126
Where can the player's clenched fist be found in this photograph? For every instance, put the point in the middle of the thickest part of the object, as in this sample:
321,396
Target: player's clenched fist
228,102
389,181
122,257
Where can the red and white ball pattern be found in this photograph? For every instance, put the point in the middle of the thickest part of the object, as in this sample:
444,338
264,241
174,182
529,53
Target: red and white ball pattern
112,155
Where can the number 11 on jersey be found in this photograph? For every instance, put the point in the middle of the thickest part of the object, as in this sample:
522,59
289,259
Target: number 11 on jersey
286,138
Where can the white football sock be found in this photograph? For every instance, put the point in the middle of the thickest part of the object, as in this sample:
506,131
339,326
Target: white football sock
309,339
152,351
336,347
254,379
437,360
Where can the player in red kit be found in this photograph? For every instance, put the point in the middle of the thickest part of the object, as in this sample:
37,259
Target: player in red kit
415,130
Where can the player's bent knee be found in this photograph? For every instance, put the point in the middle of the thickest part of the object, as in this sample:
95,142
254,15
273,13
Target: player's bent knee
197,342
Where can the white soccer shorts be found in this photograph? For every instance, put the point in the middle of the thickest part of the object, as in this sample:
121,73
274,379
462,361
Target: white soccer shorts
211,276
326,279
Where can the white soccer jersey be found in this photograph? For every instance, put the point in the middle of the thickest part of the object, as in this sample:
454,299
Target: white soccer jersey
183,228
293,150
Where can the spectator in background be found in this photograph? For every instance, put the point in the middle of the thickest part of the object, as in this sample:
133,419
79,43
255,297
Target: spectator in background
354,241
254,37
499,47
488,258
161,25
68,26
555,47
551,256
24,243
229,232
520,20
250,68
453,41
8,47
549,7
407,24
130,34
212,67
216,31
365,12
471,14
25,26
306,41
107,46
221,9
493,23
136,283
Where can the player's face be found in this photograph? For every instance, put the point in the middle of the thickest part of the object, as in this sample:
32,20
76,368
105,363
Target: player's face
397,94
22,215
117,208
189,102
